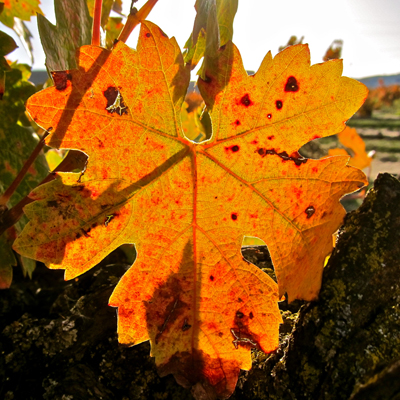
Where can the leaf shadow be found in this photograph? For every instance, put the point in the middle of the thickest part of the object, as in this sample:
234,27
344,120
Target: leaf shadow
66,201
172,318
61,78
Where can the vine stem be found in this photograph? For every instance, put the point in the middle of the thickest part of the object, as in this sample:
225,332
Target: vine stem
96,22
135,17
11,189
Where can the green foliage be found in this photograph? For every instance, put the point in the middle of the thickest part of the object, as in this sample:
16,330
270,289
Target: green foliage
7,45
113,28
8,261
105,10
17,142
213,27
19,9
13,13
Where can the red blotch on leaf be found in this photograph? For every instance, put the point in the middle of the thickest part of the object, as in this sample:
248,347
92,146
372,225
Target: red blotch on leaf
246,101
291,85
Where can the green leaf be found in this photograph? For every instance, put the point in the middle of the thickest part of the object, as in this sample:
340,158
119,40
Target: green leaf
7,261
72,31
16,145
213,27
226,11
19,9
117,6
7,44
25,69
113,29
105,10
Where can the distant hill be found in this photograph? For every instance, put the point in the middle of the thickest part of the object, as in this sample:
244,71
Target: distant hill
39,77
371,82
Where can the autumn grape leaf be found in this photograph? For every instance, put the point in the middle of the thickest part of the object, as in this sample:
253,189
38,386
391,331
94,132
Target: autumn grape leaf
350,139
334,51
187,206
293,40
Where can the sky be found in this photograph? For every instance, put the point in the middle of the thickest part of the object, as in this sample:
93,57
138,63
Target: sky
370,30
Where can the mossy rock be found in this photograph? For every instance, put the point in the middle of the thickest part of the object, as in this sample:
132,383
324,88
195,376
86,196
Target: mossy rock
341,343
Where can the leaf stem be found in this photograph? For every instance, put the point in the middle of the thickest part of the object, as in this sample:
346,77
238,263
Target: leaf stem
96,22
135,17
11,189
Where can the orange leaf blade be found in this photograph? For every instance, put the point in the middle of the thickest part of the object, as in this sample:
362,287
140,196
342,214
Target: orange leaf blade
187,206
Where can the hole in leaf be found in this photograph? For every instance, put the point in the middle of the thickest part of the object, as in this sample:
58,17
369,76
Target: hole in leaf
255,251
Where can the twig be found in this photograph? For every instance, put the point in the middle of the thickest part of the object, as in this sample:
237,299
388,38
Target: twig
96,22
135,17
11,189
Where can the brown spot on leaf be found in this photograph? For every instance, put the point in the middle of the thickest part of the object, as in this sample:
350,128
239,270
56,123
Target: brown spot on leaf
148,34
291,85
211,278
279,104
310,210
251,315
115,102
185,325
295,157
246,101
52,203
234,216
60,79
235,148
111,94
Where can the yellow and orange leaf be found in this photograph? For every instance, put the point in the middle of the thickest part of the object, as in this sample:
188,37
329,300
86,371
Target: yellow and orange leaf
187,206
353,141
19,9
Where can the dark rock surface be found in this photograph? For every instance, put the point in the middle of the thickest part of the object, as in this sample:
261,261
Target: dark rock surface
346,342
58,339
